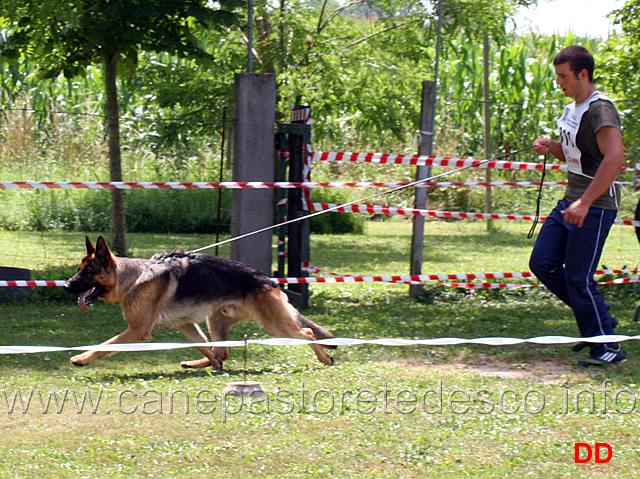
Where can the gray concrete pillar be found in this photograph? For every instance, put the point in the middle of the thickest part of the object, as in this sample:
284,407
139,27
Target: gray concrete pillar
253,160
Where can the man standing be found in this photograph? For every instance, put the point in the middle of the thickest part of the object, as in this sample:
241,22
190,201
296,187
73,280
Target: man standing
568,248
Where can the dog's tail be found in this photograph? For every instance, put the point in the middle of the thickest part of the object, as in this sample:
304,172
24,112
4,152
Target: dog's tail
318,331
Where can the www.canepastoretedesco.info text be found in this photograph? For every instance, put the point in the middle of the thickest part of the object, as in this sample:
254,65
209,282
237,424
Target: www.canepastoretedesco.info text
300,399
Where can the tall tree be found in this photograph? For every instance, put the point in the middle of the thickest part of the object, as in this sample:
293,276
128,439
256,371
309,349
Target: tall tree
617,70
360,62
65,36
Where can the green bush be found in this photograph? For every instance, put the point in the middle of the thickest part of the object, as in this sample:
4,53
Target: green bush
177,211
148,211
335,223
167,211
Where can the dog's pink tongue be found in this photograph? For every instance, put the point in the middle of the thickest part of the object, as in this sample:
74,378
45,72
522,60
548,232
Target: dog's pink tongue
82,301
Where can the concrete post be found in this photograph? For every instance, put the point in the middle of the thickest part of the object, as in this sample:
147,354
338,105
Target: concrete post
425,148
253,160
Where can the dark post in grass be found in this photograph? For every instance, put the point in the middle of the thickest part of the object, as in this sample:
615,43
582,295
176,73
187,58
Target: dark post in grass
298,134
10,274
253,160
425,148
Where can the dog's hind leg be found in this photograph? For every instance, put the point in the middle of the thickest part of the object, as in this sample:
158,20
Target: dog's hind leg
318,331
280,318
219,323
319,349
194,334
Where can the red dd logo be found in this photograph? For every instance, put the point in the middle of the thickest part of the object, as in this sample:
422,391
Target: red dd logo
599,458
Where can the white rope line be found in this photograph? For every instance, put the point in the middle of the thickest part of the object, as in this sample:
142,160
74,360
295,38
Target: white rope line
488,341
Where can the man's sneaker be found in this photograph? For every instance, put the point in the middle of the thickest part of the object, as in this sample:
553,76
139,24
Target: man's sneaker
608,356
583,344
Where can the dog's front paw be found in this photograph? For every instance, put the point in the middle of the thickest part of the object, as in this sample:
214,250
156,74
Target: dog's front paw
78,361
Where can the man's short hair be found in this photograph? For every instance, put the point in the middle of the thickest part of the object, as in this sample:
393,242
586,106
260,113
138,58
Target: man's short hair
579,58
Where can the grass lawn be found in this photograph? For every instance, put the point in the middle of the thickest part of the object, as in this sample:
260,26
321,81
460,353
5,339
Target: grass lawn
381,412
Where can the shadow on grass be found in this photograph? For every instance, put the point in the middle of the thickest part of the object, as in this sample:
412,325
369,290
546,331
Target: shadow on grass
232,374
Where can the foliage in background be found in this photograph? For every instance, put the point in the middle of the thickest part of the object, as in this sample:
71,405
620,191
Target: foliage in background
66,37
335,223
149,211
525,103
360,66
620,75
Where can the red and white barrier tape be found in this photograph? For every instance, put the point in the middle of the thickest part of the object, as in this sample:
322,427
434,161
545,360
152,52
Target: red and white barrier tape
424,278
30,283
458,276
441,279
152,185
422,160
155,185
393,210
471,184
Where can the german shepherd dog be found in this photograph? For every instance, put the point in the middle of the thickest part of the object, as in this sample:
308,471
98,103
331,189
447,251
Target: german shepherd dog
180,290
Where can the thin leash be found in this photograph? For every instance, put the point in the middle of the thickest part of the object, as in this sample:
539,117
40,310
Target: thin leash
537,216
376,195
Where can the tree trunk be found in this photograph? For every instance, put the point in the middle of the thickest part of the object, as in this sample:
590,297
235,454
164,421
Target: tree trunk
118,207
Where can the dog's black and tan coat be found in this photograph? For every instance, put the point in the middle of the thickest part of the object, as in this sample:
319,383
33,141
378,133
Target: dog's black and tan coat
181,290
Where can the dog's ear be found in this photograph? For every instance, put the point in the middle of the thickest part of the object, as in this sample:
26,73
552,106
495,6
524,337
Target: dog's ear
90,248
102,249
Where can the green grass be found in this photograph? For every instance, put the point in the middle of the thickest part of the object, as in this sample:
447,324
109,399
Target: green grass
380,412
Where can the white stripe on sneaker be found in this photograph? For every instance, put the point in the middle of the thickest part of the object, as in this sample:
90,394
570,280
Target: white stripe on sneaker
608,357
